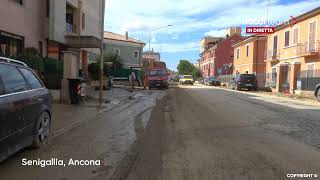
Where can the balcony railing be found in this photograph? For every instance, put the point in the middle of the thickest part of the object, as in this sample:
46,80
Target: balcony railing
272,54
71,28
308,48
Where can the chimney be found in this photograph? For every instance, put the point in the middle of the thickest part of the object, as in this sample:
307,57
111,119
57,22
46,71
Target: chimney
127,35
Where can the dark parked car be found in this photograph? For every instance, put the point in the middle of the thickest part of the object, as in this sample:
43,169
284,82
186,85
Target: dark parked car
247,81
317,91
212,81
25,106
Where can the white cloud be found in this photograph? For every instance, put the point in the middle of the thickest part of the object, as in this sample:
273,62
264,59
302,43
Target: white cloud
176,47
211,17
216,33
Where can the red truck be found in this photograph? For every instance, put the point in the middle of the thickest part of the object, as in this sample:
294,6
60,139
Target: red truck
158,78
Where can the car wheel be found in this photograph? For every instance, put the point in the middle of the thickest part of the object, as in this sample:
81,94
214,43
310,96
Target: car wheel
42,130
318,94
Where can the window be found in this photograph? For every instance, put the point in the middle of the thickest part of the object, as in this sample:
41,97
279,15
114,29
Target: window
136,54
238,53
310,70
247,52
10,44
1,88
312,35
83,21
286,38
48,8
32,80
295,36
116,51
12,79
275,46
19,1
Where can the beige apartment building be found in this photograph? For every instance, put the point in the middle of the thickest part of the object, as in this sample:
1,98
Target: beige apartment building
21,25
57,28
293,55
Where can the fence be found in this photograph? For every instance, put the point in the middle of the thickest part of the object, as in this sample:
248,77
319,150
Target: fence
308,80
261,78
226,79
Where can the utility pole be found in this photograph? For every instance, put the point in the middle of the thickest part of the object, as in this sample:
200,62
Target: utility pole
101,54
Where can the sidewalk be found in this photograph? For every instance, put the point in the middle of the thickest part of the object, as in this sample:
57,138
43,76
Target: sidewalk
310,98
67,117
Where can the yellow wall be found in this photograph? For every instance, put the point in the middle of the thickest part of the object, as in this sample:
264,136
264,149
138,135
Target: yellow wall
244,63
289,54
254,60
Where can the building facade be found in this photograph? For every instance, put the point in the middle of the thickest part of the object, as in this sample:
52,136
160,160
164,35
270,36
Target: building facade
249,57
21,26
206,41
53,27
129,49
152,55
293,54
217,59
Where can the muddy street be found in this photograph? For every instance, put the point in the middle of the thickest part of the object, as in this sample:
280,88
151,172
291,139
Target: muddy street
210,133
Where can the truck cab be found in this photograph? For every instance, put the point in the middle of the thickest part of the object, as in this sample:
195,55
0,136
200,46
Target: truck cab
158,78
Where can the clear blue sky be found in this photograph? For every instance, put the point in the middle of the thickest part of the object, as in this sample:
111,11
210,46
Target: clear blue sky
192,21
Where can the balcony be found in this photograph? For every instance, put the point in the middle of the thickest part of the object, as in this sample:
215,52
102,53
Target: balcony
272,55
307,49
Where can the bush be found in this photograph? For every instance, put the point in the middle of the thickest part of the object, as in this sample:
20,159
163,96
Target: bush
53,73
53,67
94,70
31,57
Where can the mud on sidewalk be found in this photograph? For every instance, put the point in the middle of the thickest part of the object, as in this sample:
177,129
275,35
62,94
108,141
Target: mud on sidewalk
144,159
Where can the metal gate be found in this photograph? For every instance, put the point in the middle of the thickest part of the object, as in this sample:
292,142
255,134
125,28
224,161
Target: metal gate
284,78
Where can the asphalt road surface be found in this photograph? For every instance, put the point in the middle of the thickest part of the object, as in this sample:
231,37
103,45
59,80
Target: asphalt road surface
210,133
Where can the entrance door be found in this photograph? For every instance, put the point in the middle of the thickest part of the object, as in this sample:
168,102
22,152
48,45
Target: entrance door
284,78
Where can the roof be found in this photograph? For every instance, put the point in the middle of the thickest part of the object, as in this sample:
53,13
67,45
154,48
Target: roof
216,45
249,39
118,37
151,53
301,17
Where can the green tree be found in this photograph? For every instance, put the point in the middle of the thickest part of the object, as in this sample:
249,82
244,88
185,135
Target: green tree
110,57
185,67
196,73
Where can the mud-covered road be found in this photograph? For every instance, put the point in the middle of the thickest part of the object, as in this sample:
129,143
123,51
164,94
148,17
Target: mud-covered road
211,133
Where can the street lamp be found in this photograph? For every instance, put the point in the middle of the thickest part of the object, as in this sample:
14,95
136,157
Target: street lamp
101,51
150,33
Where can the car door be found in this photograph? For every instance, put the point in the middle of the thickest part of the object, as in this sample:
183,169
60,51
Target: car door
37,97
15,87
4,121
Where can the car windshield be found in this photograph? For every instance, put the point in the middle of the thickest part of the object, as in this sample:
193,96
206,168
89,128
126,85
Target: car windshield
157,73
212,78
187,77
